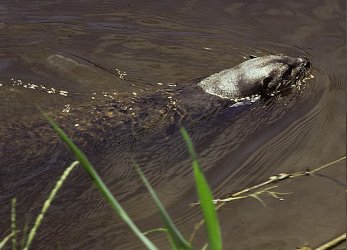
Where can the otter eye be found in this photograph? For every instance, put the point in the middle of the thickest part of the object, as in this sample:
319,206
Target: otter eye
288,73
266,82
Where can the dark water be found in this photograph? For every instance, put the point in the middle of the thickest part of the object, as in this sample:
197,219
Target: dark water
82,49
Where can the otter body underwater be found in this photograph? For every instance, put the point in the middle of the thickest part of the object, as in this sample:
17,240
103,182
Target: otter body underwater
94,125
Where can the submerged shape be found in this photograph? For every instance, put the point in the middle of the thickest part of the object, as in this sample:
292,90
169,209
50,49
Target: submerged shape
97,124
258,76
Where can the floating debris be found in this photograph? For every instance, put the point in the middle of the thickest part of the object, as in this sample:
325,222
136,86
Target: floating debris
33,86
63,92
67,108
51,91
121,74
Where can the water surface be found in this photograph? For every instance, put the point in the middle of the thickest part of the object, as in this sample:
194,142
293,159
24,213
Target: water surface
71,57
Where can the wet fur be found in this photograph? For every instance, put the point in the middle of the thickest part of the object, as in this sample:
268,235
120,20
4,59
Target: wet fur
257,76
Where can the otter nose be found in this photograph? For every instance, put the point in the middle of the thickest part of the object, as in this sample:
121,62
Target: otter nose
305,62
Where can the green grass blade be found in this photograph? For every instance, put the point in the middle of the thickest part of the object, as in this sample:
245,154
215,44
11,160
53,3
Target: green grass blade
47,204
163,230
205,198
177,239
82,158
4,240
13,224
24,235
209,211
156,230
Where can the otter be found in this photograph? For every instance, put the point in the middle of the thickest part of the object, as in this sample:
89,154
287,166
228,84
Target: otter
95,126
257,76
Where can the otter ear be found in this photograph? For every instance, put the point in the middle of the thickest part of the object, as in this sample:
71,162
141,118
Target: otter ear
252,56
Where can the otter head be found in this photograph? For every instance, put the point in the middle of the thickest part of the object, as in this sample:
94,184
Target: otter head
280,73
264,76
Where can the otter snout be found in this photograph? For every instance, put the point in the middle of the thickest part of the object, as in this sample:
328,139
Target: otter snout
305,63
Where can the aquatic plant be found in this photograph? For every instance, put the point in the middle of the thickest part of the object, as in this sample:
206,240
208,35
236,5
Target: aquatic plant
27,239
205,198
88,167
176,239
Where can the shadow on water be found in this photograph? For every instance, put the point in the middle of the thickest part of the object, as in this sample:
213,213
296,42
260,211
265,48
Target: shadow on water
110,73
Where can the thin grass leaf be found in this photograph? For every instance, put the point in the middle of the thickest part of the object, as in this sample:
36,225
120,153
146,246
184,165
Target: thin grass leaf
13,224
24,235
4,241
208,208
82,158
258,199
47,204
205,198
177,239
156,230
162,230
205,247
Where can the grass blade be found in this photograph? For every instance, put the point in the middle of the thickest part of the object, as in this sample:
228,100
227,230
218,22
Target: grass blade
4,241
205,198
47,204
13,224
82,158
177,239
24,235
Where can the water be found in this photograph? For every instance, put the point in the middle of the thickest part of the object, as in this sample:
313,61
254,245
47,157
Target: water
91,53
